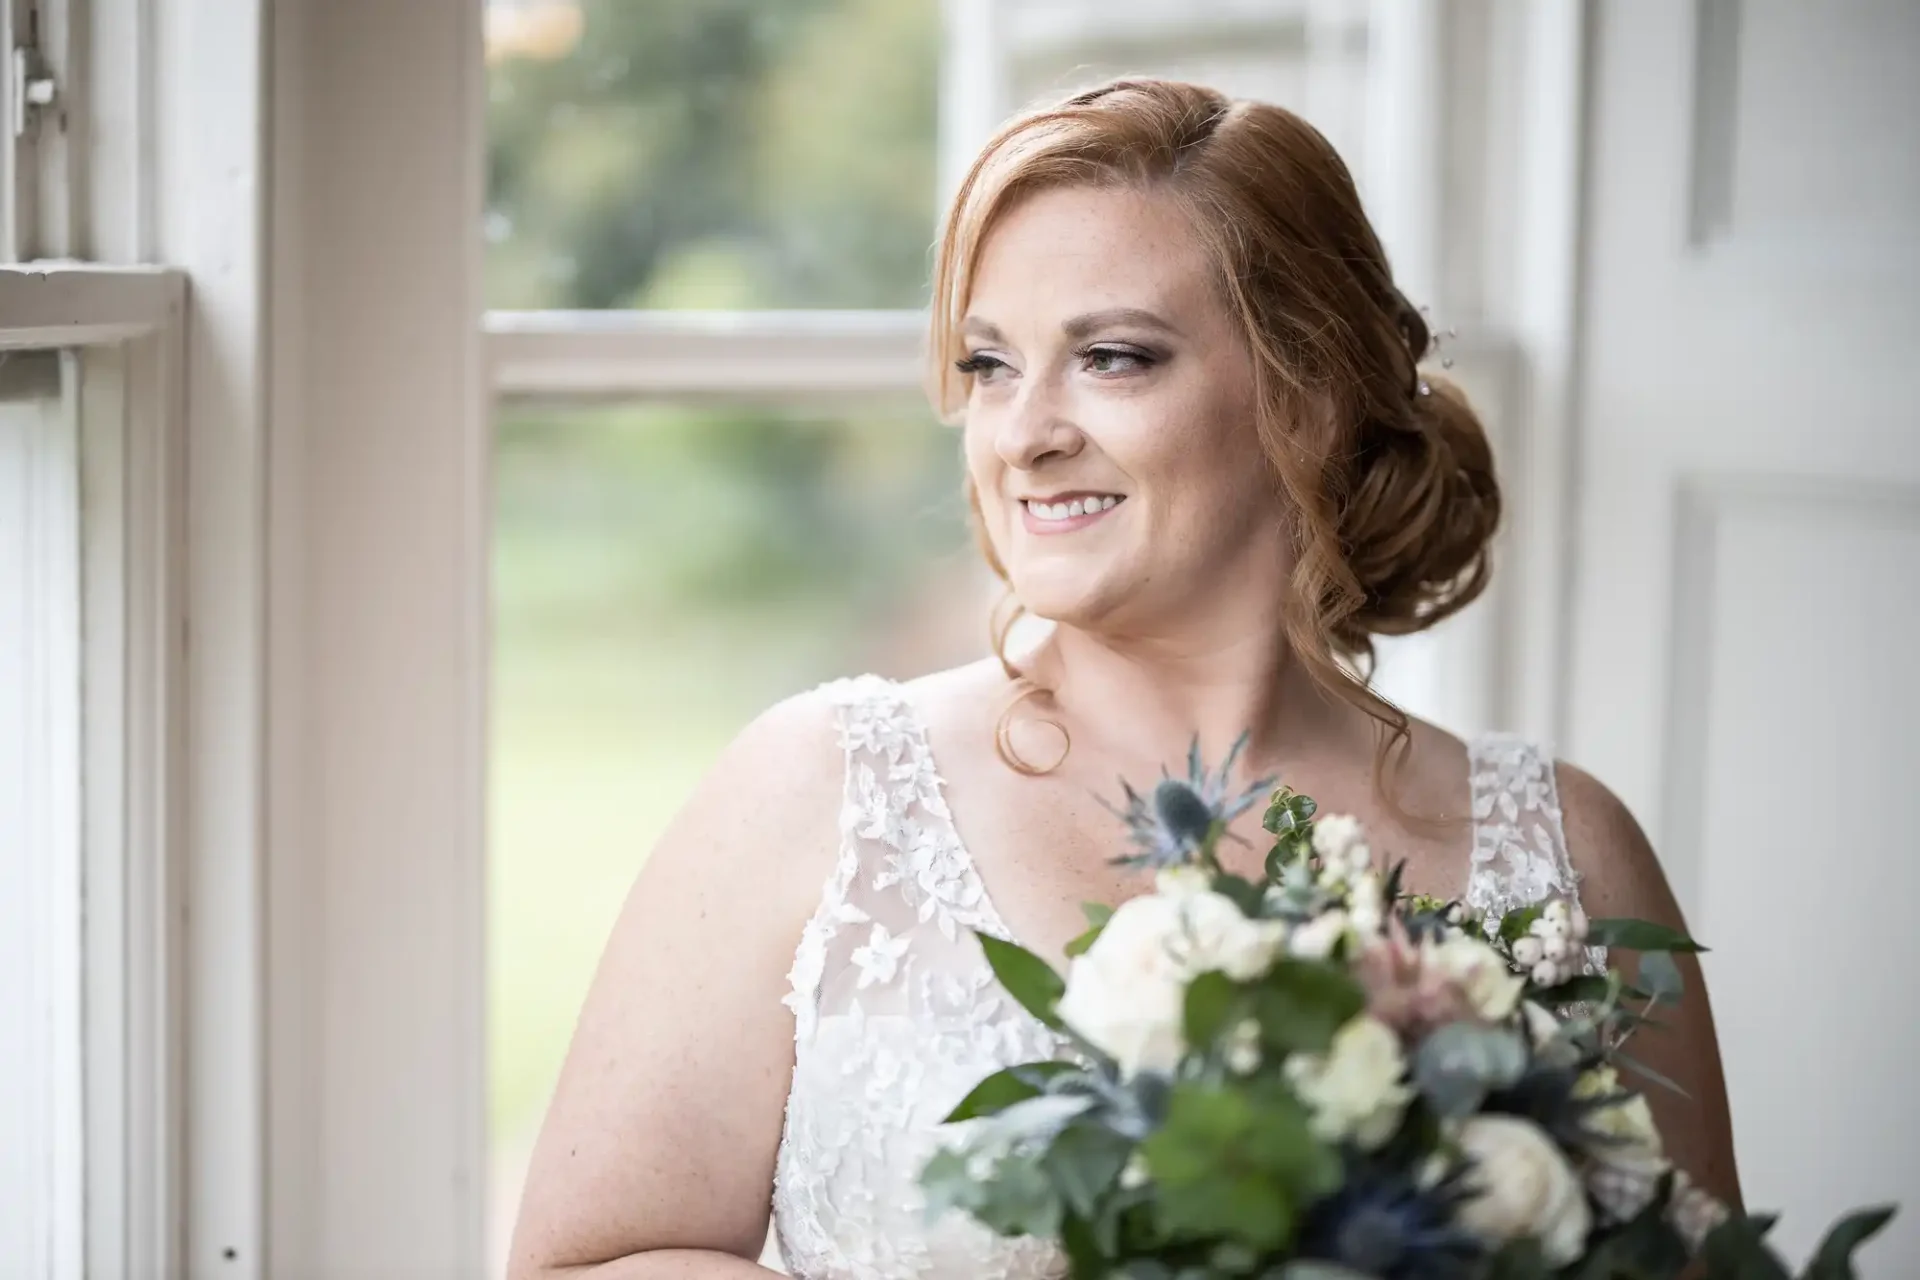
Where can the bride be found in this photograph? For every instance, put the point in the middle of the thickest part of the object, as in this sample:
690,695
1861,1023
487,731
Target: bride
1198,443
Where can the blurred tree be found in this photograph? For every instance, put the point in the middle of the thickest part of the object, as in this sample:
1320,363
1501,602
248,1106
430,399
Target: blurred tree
702,153
715,153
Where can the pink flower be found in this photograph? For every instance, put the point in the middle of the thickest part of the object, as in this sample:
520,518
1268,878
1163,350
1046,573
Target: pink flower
1405,989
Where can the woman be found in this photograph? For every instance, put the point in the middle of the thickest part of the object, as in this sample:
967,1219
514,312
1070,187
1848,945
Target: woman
1197,441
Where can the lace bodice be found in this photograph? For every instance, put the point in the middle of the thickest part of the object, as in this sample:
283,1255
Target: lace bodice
897,1016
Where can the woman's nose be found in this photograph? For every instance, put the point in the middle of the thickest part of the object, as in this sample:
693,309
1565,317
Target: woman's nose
1036,429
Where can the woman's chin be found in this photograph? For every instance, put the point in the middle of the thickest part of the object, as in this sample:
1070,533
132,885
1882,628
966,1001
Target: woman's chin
1079,601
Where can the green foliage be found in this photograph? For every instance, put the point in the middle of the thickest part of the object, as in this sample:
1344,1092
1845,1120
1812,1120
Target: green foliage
1026,977
1098,913
1236,1165
1833,1260
1459,1064
711,153
1660,977
1515,924
1301,1003
1638,935
1004,1088
1084,1161
1212,1000
1289,817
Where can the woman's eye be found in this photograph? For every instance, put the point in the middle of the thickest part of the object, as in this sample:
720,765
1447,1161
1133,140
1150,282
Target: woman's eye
980,365
1112,360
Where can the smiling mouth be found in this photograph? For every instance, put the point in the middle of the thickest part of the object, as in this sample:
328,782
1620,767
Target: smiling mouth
1060,512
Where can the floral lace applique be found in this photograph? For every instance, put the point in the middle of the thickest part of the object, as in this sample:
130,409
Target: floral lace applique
896,1017
1519,839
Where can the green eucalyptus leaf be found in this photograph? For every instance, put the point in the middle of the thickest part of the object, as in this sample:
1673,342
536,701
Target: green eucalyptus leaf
1097,913
1634,1064
1027,978
1638,935
1660,977
1004,1088
1084,1162
1834,1258
1459,1064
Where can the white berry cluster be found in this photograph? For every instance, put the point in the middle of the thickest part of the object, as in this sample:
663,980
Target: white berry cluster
1554,947
1346,868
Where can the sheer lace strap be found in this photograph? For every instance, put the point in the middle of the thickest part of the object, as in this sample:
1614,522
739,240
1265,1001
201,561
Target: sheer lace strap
861,705
1519,841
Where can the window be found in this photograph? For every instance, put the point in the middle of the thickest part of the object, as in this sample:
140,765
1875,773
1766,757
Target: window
90,1135
708,228
41,1080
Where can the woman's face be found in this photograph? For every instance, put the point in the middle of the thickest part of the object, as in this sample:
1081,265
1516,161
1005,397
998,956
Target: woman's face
1110,429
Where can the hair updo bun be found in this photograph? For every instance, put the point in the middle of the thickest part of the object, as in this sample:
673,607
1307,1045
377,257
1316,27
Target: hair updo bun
1388,476
1419,520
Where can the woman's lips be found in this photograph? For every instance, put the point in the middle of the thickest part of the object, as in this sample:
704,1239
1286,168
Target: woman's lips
1068,512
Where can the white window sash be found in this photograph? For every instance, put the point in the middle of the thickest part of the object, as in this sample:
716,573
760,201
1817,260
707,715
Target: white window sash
41,1184
122,1138
783,356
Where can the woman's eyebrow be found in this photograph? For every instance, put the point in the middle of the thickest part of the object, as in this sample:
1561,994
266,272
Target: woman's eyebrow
1080,326
1085,326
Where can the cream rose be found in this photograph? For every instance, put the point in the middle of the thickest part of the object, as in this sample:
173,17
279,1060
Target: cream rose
1357,1090
1524,1187
1127,994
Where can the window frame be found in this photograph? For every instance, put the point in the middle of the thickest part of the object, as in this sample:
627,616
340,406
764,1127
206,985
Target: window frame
122,330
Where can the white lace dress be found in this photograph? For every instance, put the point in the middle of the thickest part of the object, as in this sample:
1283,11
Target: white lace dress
897,1016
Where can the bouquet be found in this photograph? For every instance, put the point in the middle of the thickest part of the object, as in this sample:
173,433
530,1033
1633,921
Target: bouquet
1318,1076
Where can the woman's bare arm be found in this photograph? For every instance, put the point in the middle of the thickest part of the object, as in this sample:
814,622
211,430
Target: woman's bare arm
656,1157
1622,877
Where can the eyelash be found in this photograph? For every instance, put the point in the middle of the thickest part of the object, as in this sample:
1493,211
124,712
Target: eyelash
982,363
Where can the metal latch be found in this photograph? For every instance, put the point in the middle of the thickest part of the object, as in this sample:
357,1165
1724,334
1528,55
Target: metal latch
33,88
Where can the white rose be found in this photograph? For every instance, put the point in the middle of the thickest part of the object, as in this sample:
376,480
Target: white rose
1127,993
1629,1161
1524,1187
1316,939
1357,1090
1216,934
1482,975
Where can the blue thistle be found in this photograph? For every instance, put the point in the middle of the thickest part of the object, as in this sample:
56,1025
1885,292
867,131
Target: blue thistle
1178,821
1385,1224
1545,1094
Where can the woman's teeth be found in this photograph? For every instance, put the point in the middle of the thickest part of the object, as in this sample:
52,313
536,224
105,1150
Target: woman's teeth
1068,510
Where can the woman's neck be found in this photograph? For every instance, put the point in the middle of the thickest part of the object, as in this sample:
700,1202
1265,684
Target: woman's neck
1217,682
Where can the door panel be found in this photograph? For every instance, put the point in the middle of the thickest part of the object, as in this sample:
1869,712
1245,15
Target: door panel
1745,603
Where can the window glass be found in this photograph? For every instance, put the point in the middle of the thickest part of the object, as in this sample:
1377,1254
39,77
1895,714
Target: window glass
710,153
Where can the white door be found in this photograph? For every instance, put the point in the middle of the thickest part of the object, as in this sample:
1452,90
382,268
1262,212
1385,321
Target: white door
1745,600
